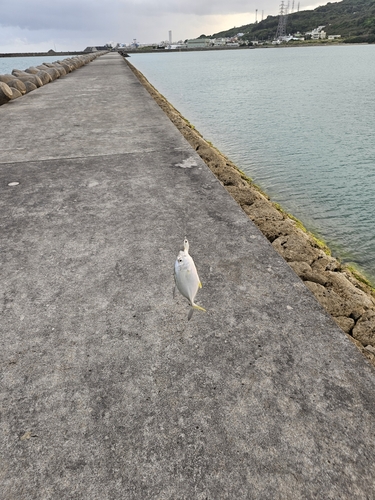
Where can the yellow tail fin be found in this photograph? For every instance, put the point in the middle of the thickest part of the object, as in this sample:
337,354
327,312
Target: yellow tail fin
199,308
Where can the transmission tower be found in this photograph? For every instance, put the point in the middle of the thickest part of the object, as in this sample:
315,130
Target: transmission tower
281,27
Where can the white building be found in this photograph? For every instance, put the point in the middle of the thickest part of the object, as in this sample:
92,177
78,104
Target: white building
217,42
199,43
317,33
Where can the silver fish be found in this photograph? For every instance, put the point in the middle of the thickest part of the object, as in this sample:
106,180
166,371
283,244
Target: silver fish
186,278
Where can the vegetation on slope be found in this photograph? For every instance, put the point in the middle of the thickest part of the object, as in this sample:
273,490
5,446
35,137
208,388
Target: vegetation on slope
354,20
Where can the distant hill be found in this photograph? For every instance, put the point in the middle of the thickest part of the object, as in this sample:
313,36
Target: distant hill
354,20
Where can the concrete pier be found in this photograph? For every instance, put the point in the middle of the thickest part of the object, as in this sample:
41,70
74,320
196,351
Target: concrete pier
107,391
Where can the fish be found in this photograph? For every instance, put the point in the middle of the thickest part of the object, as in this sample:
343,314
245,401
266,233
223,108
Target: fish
186,278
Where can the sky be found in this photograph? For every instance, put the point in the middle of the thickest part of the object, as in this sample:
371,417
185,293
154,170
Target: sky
63,25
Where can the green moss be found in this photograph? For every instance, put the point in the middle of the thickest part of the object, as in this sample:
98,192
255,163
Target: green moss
250,181
280,209
321,244
360,276
318,241
297,222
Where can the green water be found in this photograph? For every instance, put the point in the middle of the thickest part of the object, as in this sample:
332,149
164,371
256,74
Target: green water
299,121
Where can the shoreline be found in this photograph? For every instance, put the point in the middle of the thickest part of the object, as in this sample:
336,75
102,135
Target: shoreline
147,50
43,54
344,294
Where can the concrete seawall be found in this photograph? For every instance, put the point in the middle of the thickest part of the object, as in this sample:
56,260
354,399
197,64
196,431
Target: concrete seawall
107,391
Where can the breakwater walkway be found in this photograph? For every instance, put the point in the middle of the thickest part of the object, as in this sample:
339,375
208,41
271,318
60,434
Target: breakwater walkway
107,391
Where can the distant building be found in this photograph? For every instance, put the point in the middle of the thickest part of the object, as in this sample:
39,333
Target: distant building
199,43
317,33
98,47
218,42
282,39
176,46
319,36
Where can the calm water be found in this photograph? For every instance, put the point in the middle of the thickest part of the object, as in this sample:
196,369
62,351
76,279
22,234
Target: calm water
299,121
7,64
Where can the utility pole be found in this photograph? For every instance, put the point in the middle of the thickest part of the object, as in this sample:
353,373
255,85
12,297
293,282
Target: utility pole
256,16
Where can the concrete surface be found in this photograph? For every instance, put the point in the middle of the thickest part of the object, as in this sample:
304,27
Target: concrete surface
107,391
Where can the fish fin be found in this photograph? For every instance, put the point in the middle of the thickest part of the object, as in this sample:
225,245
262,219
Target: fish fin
199,308
190,313
200,284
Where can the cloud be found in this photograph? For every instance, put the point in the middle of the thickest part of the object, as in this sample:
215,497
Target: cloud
76,24
76,14
60,14
192,7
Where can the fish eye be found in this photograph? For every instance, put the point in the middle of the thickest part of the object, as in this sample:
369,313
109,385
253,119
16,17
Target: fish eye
179,260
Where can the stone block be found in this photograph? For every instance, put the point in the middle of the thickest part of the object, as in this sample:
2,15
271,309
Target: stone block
5,93
332,303
364,330
296,247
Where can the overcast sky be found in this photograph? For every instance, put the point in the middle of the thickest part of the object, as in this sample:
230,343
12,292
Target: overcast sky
40,25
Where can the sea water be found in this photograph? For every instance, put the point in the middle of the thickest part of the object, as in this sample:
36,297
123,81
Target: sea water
300,121
7,64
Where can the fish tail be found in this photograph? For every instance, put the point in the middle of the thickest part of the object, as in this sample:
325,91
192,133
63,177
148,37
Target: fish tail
195,306
199,308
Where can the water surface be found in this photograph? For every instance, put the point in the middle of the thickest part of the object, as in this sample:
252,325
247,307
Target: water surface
299,121
7,64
